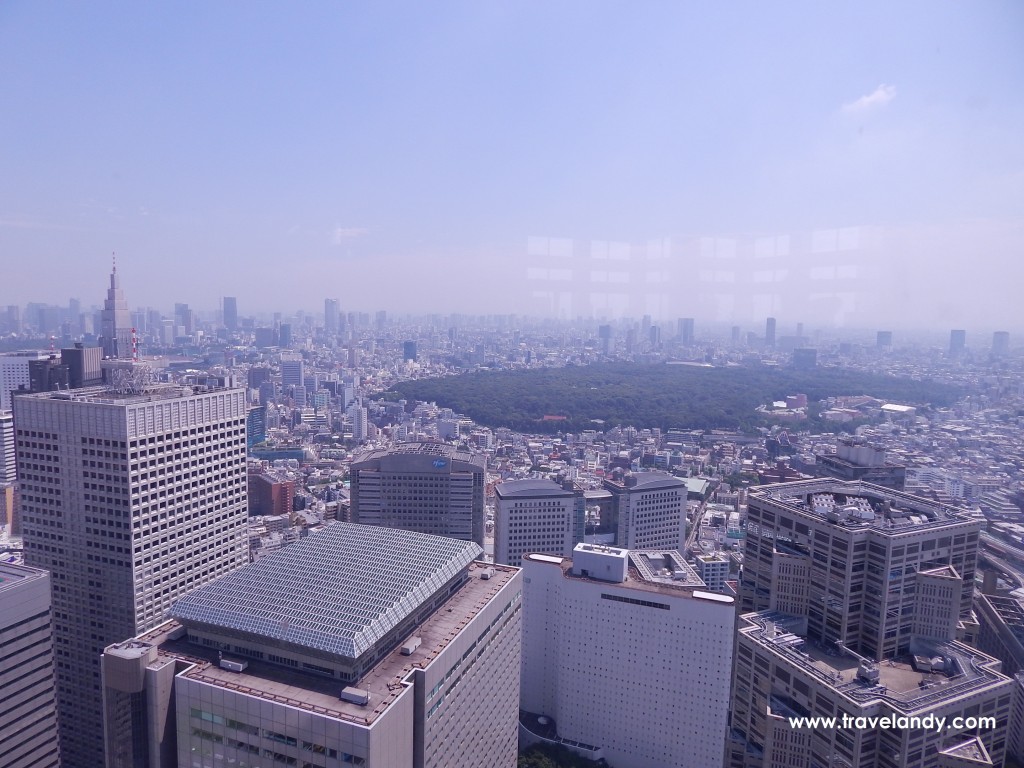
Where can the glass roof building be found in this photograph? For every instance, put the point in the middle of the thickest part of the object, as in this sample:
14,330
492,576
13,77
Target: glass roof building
358,645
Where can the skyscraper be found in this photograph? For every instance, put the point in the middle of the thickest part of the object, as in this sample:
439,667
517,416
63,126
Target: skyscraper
357,646
769,333
883,340
409,351
29,722
821,548
8,469
15,373
860,595
230,313
116,321
1001,343
331,316
957,342
131,497
426,487
686,331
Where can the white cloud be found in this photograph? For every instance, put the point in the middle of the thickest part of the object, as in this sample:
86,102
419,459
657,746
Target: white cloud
879,97
341,234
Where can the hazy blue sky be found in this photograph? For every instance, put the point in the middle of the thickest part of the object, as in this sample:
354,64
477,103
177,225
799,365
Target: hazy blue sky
420,156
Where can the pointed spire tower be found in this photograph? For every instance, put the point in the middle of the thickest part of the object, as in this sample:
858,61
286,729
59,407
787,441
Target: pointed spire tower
117,320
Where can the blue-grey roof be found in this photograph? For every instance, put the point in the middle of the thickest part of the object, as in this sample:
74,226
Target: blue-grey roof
338,590
529,488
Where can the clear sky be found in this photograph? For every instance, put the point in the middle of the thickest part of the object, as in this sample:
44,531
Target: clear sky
435,157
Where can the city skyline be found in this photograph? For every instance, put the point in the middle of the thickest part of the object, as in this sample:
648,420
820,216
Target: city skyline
436,158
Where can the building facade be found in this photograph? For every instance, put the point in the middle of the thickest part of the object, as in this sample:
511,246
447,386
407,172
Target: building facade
130,500
648,510
14,374
781,674
859,597
536,516
8,467
850,557
358,645
426,487
116,321
28,725
618,649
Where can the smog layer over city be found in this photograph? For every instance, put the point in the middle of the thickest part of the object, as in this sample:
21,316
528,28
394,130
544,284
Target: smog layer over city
533,385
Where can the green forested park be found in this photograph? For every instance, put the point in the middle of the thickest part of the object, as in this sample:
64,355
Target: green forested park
665,396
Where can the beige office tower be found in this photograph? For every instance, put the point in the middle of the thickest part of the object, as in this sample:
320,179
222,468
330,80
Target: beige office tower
28,725
357,646
648,510
427,487
130,497
861,598
536,515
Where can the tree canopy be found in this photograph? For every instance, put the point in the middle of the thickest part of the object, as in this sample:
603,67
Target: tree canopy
666,396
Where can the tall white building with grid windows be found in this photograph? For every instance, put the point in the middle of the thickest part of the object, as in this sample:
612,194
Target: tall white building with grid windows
29,720
626,657
357,646
536,515
130,498
648,510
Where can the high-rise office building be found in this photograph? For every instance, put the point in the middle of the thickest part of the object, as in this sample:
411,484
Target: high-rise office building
948,704
957,342
847,555
1001,343
769,333
426,487
8,468
860,596
83,364
648,510
537,515
15,373
358,645
685,331
611,641
116,321
130,497
292,373
231,313
409,351
284,335
883,340
29,723
331,316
